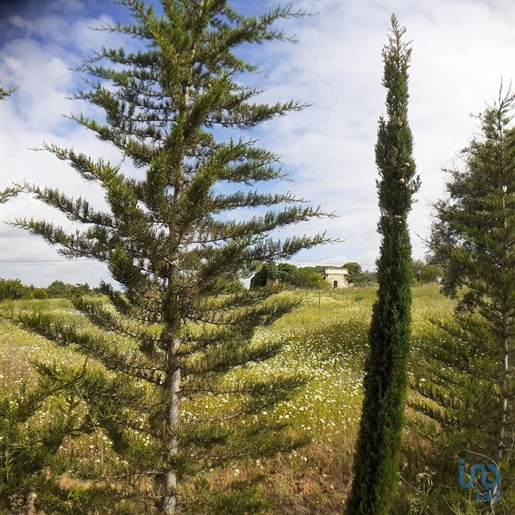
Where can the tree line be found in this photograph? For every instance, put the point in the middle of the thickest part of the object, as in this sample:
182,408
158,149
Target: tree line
14,289
312,277
286,273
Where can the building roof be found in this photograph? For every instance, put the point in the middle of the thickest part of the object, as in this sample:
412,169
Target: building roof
336,271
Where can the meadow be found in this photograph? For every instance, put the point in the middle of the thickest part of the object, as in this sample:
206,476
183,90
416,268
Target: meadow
327,340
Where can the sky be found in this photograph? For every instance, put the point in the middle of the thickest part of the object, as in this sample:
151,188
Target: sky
462,51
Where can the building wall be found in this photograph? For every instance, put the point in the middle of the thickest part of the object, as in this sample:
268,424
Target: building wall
337,278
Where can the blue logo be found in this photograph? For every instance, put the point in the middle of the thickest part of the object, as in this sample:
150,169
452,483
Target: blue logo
492,494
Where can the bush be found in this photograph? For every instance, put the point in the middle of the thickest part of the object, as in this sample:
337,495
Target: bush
13,289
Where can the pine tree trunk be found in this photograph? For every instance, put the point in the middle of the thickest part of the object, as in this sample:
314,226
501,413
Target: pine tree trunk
173,376
503,412
168,502
505,352
172,343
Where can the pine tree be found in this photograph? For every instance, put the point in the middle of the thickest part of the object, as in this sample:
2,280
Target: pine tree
6,92
173,342
377,448
469,384
7,193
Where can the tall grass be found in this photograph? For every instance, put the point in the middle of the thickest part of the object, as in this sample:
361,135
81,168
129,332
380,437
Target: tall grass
327,340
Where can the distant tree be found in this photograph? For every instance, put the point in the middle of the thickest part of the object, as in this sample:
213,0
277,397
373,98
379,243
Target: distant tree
12,289
61,289
366,278
308,278
173,340
417,265
260,278
473,236
355,271
385,383
233,287
38,293
424,273
80,289
430,273
58,289
287,274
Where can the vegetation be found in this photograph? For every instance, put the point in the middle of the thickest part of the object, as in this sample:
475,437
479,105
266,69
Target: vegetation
13,289
366,278
6,92
377,450
327,343
307,277
177,337
469,388
424,273
289,275
355,271
185,393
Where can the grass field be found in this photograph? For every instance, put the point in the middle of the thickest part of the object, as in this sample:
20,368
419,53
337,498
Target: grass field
327,341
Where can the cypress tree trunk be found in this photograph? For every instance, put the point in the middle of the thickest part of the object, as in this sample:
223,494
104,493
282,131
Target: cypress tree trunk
376,460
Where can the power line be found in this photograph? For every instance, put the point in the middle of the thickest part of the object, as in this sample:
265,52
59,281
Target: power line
39,261
353,206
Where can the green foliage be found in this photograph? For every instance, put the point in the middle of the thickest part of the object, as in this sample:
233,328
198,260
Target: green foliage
309,279
355,271
176,338
6,92
327,343
430,274
234,287
466,383
424,273
12,289
260,278
289,275
59,289
377,449
366,278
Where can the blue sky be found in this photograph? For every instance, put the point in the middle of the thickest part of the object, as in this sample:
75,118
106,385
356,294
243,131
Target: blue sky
461,50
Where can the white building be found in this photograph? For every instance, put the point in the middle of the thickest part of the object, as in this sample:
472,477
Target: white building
337,277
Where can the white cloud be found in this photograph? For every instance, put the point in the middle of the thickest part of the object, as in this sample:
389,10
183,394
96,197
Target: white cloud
460,51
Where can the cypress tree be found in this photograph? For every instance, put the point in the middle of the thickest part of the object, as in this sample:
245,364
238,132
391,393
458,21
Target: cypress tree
173,340
377,448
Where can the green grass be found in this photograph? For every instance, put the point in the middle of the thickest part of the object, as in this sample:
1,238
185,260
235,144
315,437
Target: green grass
327,340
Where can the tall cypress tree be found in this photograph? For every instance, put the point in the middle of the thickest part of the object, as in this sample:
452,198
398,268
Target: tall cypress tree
172,341
376,459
